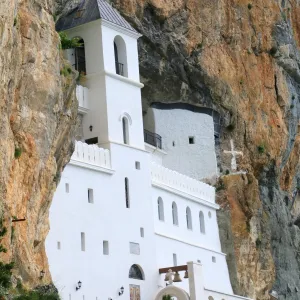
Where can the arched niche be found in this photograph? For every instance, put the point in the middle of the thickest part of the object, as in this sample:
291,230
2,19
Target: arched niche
189,222
202,222
160,208
120,56
136,272
173,291
174,213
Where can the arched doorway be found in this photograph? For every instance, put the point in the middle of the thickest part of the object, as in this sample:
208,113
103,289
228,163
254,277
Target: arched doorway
173,291
137,273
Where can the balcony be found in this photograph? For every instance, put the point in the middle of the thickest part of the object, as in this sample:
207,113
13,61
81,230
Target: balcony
119,68
153,139
91,156
176,182
82,94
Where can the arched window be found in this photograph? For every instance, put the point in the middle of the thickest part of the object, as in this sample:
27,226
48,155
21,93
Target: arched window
189,219
174,213
120,56
202,222
80,58
125,126
160,206
127,193
136,272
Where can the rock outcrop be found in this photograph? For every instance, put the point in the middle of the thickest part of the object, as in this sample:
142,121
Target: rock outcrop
38,119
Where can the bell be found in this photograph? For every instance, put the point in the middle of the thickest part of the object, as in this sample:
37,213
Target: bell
186,274
169,275
177,277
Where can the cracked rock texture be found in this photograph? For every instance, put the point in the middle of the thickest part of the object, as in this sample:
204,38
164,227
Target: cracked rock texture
38,118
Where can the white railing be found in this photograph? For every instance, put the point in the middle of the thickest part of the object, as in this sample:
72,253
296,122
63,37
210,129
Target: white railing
182,183
217,295
82,94
92,155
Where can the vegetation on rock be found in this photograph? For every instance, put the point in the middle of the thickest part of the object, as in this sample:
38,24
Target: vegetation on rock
67,43
5,268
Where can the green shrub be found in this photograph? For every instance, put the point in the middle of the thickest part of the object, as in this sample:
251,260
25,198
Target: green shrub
261,149
65,71
5,269
67,43
18,152
292,106
249,6
230,127
167,297
37,296
56,177
293,97
227,172
220,187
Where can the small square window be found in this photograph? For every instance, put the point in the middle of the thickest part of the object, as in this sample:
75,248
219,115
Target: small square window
105,248
137,165
90,196
214,259
142,232
134,248
67,188
58,246
191,140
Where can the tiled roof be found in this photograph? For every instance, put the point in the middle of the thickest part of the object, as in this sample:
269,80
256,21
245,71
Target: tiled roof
91,10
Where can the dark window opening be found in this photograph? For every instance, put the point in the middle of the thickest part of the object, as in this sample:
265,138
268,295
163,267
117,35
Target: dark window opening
80,58
119,66
125,130
191,140
135,272
92,141
127,193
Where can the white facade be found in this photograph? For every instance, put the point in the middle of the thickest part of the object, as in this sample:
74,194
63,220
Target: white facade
188,138
114,207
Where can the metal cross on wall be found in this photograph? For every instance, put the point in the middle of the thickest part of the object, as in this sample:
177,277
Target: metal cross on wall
234,155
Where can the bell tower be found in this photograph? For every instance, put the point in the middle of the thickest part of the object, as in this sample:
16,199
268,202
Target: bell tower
112,74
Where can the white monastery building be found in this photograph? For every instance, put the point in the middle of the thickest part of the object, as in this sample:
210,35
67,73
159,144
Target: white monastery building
126,220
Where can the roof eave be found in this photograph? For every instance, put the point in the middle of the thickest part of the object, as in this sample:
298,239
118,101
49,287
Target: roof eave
121,29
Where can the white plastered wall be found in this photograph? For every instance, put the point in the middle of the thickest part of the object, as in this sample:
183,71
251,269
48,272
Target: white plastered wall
190,245
106,219
177,125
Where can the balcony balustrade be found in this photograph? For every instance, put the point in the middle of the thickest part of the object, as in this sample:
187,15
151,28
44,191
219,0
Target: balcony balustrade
153,139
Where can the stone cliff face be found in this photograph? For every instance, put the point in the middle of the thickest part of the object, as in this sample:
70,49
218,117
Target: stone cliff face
38,117
242,59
